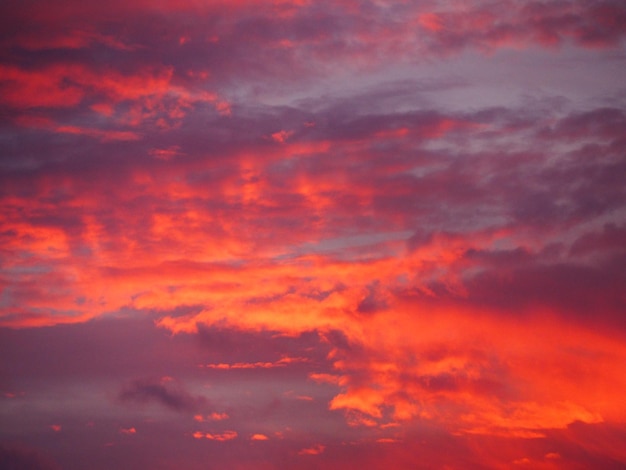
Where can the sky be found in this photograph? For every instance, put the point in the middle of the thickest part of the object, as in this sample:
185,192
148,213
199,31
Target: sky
312,234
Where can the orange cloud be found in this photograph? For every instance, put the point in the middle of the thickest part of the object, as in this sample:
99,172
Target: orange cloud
256,365
491,376
315,450
425,354
212,417
221,437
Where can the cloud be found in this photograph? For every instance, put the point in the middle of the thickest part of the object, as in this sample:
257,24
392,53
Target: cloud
221,437
315,450
367,224
162,392
256,365
211,417
608,240
19,457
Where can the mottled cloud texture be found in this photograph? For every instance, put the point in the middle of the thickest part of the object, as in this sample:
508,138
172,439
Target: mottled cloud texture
299,234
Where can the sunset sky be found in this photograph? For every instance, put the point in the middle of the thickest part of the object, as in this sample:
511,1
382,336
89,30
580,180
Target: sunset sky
299,234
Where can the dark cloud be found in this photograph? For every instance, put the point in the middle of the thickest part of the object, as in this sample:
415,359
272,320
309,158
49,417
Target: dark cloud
163,392
268,346
14,457
609,240
592,293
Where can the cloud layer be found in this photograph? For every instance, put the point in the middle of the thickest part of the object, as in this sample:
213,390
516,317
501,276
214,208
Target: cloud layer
313,234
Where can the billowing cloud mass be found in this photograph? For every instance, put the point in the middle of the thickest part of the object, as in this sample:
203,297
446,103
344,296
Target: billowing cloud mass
298,234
